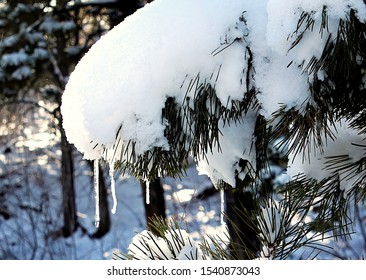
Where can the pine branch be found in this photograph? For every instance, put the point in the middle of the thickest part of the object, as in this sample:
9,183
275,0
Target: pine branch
327,200
301,132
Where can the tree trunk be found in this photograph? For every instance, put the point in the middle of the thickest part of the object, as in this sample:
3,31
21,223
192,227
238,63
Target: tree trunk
156,207
67,184
244,243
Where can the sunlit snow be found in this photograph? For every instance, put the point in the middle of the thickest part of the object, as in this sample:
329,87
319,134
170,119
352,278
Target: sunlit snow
122,83
131,71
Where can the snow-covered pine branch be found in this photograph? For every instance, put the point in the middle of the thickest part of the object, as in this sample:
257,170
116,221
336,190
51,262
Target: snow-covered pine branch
114,101
115,112
217,80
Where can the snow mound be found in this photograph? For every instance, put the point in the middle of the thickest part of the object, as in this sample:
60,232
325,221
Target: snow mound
126,77
118,90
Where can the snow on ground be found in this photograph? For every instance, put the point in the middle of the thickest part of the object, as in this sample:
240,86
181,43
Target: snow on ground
201,216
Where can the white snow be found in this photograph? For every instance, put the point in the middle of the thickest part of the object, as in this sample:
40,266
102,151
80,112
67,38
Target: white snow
141,62
34,37
177,244
270,221
125,78
40,53
236,142
10,41
183,195
51,25
14,59
22,72
279,69
348,142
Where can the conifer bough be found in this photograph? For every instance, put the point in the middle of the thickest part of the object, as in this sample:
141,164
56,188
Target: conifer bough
218,80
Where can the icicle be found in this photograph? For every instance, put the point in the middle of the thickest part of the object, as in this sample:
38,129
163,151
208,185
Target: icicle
147,191
222,206
96,192
113,187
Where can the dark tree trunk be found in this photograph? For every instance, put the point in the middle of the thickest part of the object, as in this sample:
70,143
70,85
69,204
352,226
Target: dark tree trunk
244,243
156,207
67,160
67,184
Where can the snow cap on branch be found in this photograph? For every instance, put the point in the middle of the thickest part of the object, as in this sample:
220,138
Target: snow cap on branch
126,77
114,99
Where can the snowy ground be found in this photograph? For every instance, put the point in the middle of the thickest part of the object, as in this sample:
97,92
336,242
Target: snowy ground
30,199
201,216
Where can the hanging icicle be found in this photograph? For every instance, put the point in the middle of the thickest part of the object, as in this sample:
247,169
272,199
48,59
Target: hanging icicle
222,206
113,187
96,192
147,191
